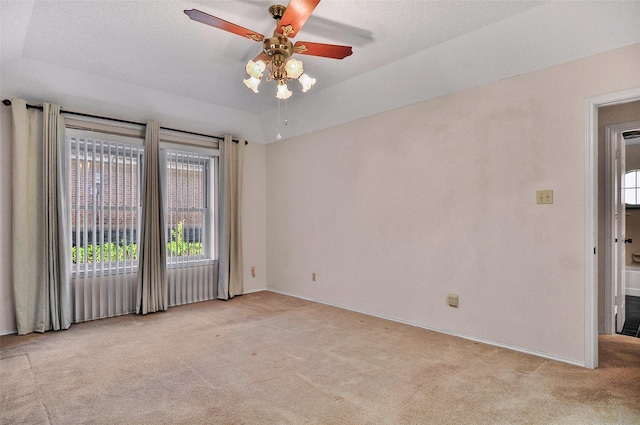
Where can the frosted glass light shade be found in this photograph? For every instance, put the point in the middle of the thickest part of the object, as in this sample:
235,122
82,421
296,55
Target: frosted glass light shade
255,69
252,83
283,92
294,68
306,82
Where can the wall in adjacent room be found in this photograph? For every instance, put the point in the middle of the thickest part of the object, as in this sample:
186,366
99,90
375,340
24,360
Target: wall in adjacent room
395,211
632,222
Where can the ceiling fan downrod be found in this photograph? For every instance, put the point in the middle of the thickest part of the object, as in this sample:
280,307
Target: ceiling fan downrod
278,47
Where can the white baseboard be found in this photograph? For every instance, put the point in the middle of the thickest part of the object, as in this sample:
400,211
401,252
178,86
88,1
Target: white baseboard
251,291
634,292
443,331
10,332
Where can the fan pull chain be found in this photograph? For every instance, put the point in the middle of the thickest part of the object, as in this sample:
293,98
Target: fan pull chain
286,113
278,136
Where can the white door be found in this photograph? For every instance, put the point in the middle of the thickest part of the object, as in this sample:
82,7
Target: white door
619,224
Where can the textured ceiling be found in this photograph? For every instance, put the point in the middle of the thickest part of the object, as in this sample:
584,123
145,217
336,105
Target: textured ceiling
147,59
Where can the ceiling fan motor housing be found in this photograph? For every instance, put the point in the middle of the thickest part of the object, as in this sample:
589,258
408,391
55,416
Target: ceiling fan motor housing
278,47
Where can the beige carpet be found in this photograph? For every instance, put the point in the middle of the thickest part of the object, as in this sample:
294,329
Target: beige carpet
266,358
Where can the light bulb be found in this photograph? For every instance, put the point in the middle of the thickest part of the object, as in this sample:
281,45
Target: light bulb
252,83
294,68
306,82
283,92
255,69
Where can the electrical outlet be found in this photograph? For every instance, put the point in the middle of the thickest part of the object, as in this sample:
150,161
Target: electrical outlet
544,197
453,300
253,271
313,277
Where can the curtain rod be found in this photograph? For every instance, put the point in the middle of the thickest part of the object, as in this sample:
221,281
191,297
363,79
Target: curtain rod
7,102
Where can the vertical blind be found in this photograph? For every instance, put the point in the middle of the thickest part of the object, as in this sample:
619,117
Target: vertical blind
105,182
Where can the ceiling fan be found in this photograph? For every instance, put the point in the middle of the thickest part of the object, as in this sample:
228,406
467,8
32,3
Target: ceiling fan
277,50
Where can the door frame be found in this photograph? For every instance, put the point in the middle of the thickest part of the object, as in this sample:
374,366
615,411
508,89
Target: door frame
592,218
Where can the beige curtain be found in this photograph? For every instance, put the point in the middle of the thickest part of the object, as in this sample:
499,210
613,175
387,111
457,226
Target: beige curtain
230,281
40,237
151,294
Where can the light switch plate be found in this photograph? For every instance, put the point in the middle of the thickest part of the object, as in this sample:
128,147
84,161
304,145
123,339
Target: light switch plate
453,300
544,197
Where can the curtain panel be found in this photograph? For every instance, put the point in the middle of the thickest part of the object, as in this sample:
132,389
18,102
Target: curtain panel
152,294
40,242
230,280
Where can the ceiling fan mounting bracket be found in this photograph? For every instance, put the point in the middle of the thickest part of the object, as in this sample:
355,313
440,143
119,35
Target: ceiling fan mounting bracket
277,11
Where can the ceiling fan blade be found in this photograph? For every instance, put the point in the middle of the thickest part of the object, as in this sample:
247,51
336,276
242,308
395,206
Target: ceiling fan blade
297,13
320,49
216,22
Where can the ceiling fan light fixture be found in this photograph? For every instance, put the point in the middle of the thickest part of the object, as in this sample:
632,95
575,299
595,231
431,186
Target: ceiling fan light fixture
294,68
252,83
255,69
277,50
306,82
283,92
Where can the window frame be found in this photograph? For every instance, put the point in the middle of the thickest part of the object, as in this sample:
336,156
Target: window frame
635,188
104,130
211,210
105,268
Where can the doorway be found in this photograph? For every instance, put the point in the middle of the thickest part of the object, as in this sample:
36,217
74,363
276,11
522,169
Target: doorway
621,213
594,219
631,294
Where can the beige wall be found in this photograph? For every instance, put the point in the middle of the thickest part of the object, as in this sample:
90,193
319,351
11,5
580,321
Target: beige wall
614,114
254,215
380,207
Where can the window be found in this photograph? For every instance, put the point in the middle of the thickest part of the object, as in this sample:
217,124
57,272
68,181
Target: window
189,195
105,205
106,180
106,173
632,187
